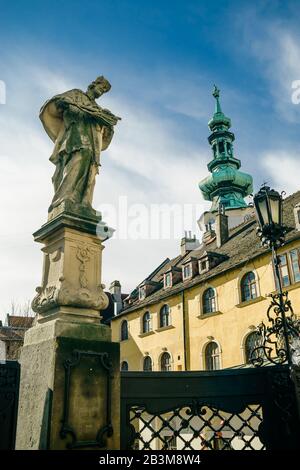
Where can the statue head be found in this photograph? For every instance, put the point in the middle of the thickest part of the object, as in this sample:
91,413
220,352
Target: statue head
98,87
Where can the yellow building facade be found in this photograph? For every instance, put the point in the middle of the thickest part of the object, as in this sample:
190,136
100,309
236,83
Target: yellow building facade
200,310
194,338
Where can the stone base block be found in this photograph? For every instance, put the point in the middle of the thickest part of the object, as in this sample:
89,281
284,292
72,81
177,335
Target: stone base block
70,388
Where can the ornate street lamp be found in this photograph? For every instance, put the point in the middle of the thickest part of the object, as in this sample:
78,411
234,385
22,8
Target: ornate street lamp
268,205
282,337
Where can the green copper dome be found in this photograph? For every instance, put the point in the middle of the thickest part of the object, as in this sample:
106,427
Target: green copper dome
226,185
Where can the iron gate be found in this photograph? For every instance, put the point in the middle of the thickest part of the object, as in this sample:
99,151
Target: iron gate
9,395
233,409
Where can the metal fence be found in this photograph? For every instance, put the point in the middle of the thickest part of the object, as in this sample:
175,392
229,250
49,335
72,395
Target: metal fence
9,395
237,409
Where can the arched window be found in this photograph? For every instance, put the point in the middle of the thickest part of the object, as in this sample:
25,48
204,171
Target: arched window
212,356
146,322
124,366
253,340
209,300
164,316
147,366
248,287
124,330
165,362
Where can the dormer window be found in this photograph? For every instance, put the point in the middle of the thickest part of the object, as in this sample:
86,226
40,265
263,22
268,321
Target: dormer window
187,271
209,260
147,287
168,280
142,292
203,266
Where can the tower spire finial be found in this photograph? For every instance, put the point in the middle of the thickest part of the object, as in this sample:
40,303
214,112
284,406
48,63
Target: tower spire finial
216,95
227,185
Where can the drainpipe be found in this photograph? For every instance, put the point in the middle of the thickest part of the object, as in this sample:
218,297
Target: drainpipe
184,329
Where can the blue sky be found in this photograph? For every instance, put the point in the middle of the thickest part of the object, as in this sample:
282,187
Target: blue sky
162,58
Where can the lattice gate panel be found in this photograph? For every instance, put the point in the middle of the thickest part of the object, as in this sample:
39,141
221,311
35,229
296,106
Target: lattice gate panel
197,428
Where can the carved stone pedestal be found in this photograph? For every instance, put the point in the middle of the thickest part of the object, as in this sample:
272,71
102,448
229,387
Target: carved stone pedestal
70,380
72,268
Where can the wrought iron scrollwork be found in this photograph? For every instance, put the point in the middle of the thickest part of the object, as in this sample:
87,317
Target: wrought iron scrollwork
272,346
196,426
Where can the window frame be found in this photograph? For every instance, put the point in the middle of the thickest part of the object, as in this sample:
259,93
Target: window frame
148,322
213,300
297,250
184,267
147,358
203,265
289,266
123,322
142,293
121,366
169,364
247,352
285,255
212,357
167,315
167,276
250,285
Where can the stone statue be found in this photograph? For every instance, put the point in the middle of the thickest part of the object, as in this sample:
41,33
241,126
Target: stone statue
71,296
80,129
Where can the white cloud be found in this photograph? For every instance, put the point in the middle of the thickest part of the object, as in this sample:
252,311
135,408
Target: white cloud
283,70
284,169
277,51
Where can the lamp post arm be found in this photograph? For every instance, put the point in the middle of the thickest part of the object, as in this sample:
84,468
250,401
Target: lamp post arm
276,263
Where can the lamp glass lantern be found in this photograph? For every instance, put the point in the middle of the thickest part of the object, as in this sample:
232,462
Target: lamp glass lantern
268,205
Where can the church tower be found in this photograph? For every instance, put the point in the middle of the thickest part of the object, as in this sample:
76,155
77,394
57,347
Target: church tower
227,186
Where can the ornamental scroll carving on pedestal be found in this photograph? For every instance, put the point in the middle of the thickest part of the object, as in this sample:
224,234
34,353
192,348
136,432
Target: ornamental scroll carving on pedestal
81,294
83,254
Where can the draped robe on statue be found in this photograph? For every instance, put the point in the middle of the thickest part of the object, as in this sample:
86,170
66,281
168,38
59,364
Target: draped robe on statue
80,129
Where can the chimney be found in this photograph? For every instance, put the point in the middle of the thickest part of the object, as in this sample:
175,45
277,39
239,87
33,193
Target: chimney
115,290
221,227
188,243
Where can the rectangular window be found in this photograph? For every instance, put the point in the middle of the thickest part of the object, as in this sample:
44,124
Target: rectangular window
284,271
187,271
203,266
142,292
294,254
168,280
